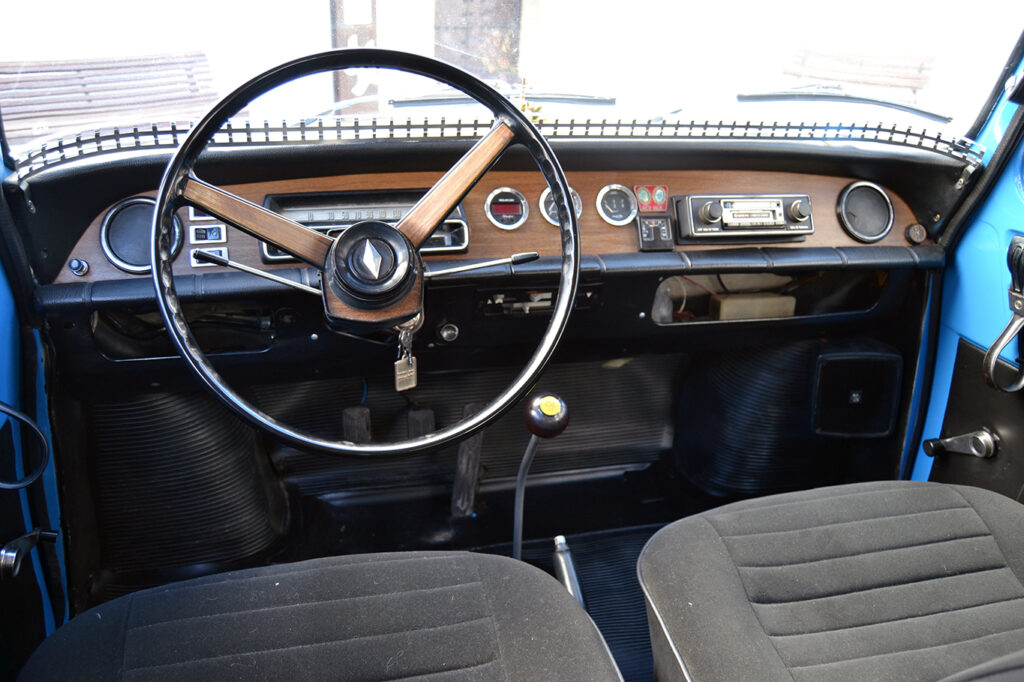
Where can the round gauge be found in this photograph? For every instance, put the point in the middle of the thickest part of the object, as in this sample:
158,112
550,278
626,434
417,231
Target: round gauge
547,205
506,208
865,211
125,234
617,205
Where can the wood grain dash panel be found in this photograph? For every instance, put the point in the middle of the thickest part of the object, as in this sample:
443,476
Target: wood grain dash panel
536,234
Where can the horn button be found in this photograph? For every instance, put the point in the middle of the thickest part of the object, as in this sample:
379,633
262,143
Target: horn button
371,265
371,260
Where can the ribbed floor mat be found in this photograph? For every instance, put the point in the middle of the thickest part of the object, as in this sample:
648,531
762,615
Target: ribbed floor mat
606,566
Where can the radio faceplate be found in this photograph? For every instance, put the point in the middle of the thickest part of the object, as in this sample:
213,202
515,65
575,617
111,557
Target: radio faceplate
766,217
334,212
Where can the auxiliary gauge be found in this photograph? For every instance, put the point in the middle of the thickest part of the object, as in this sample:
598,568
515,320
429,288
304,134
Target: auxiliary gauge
547,205
506,208
617,205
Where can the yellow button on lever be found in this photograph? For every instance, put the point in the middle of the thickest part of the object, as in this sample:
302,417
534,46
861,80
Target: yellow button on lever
550,405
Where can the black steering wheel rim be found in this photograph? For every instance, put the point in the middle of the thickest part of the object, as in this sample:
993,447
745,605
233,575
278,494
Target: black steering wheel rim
181,167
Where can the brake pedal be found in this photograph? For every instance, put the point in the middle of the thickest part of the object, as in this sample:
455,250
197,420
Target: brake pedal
467,469
420,422
355,424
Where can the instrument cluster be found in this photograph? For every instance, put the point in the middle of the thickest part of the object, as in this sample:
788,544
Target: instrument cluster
507,208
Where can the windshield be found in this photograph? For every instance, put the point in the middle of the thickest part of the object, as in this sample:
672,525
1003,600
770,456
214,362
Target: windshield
72,67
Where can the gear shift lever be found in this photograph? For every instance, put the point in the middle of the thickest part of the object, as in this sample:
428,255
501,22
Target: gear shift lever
546,416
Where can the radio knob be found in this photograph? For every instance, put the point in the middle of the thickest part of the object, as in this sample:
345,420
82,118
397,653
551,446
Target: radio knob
711,212
799,210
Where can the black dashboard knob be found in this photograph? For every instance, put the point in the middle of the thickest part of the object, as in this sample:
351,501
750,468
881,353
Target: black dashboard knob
799,211
546,415
711,212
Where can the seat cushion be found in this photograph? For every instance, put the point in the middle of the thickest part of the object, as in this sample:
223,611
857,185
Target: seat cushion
368,617
876,581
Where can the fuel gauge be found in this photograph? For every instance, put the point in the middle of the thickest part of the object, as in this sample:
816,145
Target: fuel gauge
617,205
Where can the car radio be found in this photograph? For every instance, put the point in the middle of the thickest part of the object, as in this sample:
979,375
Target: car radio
773,217
334,212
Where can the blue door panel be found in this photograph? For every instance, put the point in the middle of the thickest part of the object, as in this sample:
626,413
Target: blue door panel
975,304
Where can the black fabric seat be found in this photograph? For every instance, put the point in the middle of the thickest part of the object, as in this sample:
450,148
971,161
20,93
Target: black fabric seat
879,581
442,615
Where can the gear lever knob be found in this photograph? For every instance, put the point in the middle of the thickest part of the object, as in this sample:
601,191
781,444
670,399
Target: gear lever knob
546,415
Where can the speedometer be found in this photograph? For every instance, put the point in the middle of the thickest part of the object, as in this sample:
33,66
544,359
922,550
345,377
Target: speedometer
617,205
506,208
547,205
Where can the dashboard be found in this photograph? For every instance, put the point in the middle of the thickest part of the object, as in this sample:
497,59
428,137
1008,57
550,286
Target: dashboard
619,213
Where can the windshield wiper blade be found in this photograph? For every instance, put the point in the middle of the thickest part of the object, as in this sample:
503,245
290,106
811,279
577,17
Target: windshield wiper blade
458,98
839,96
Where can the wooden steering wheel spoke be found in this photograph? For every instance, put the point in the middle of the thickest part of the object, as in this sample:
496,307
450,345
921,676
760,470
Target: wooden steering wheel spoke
300,241
444,196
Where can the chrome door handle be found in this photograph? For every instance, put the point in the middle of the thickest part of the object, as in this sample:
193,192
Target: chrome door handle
981,443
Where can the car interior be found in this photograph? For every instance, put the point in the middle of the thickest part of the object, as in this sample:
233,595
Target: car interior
376,394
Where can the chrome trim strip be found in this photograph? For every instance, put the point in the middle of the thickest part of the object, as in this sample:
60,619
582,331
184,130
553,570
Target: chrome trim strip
267,257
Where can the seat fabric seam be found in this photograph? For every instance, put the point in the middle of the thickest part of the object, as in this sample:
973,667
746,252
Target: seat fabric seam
753,612
419,676
844,523
126,628
494,621
989,529
879,587
868,552
329,642
907,651
326,567
305,603
813,500
897,620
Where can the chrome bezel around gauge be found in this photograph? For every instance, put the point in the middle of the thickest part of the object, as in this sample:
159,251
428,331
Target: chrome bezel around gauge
108,251
634,210
850,229
522,200
577,204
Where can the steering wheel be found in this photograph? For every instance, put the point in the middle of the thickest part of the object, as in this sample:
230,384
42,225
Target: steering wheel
372,277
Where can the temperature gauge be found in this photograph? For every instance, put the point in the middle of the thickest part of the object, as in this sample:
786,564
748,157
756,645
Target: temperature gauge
506,208
547,205
617,205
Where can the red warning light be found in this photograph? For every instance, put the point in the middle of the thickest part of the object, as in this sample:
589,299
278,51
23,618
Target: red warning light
651,198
